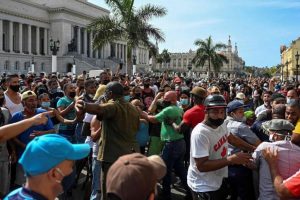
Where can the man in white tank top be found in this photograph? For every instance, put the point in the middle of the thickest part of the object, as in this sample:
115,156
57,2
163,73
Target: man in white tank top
12,95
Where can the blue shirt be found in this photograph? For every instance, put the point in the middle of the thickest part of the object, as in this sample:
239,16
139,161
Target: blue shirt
23,193
24,136
63,103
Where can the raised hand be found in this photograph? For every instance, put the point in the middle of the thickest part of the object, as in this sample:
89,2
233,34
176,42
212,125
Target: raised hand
41,118
270,154
240,158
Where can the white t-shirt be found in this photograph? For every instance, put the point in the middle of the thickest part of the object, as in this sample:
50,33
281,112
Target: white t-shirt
206,141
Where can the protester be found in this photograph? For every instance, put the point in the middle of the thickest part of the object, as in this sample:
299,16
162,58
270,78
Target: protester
120,122
12,96
48,165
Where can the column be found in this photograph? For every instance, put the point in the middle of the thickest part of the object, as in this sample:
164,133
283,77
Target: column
78,40
91,45
21,38
116,50
29,39
45,41
37,40
123,52
11,33
97,53
85,42
1,35
102,53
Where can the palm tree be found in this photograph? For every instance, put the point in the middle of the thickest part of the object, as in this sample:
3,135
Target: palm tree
129,24
207,52
164,57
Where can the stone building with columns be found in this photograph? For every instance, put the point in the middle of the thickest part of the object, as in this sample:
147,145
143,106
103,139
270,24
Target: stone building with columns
181,62
26,27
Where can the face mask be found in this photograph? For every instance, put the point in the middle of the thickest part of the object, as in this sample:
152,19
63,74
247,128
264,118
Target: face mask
67,181
1,101
289,100
72,94
14,88
146,85
127,98
45,104
166,104
243,119
105,82
54,90
215,122
138,95
184,101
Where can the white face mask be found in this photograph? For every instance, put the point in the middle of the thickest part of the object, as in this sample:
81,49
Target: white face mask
271,138
243,119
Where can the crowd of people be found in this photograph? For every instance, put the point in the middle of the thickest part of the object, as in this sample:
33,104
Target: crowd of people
215,138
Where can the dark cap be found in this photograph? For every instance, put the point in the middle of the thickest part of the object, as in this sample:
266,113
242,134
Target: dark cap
234,105
115,87
280,126
277,96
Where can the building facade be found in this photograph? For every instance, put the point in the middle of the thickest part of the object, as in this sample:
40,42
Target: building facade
288,60
26,27
182,62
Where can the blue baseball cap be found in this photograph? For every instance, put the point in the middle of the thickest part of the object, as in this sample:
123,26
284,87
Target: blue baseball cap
45,152
233,105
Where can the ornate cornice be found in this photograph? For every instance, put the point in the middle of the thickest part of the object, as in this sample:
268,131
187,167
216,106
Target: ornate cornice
23,16
67,10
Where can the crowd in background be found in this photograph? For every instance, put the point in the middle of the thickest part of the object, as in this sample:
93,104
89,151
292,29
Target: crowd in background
117,114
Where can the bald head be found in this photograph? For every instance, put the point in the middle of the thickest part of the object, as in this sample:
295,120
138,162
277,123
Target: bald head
292,94
171,96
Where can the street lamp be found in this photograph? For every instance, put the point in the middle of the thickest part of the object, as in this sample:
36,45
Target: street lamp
287,70
134,64
74,67
54,47
32,64
297,65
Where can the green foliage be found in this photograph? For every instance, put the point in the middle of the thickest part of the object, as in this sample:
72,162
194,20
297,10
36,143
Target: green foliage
207,52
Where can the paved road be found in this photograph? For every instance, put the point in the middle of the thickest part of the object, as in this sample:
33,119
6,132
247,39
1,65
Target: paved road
81,192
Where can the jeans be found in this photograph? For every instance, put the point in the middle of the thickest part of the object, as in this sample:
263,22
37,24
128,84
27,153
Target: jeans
104,170
96,170
78,133
173,155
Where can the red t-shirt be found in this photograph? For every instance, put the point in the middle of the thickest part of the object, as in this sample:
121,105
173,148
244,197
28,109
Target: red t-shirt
293,184
194,116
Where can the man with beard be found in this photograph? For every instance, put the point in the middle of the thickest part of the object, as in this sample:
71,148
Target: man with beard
65,106
209,142
267,103
12,95
147,93
29,100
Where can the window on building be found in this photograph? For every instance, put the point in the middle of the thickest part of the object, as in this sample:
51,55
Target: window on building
17,66
6,65
26,66
43,67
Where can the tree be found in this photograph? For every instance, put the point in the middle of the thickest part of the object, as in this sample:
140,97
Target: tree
164,57
127,23
207,52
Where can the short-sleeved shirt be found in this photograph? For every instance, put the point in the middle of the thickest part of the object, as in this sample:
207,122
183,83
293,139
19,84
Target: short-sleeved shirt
168,133
293,184
288,163
24,136
63,103
211,143
240,130
260,109
23,193
3,147
120,124
194,116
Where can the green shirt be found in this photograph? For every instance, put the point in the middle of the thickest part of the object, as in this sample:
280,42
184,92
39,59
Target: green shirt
120,124
167,132
64,102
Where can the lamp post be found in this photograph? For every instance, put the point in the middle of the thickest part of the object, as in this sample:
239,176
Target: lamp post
32,64
287,70
54,47
134,64
297,65
74,67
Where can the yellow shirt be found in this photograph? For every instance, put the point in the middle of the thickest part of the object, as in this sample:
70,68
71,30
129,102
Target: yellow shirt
100,91
297,127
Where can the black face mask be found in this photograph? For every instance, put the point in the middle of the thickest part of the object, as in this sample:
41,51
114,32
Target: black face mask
214,122
146,85
138,95
105,82
166,104
72,94
14,88
1,101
